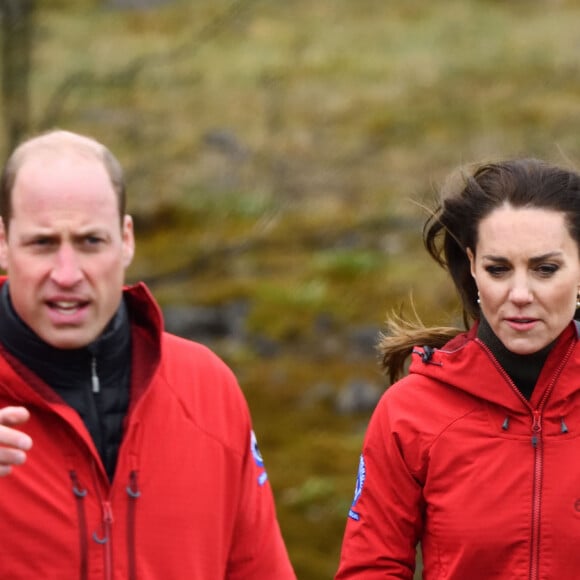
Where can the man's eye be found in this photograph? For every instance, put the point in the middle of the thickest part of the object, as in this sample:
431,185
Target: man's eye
91,243
42,242
92,240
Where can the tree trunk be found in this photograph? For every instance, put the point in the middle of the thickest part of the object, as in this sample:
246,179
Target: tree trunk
17,18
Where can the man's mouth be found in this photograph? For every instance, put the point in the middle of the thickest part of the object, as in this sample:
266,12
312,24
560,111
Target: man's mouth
66,306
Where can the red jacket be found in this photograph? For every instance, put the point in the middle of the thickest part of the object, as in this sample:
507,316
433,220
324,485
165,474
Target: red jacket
190,499
456,459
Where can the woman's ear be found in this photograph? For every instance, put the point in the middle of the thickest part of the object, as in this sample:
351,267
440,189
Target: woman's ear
471,257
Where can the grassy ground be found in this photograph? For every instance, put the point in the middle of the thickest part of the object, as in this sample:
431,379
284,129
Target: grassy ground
279,152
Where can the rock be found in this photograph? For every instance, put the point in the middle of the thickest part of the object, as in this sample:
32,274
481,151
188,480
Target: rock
207,323
358,396
362,340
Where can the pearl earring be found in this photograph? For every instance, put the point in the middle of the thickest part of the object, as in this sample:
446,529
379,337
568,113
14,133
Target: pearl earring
479,299
578,301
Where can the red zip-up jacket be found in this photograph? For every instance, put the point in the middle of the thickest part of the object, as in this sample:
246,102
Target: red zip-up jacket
190,498
456,459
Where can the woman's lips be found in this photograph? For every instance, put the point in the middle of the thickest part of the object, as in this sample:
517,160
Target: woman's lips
522,324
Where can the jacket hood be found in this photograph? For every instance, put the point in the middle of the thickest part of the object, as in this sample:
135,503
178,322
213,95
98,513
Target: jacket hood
466,363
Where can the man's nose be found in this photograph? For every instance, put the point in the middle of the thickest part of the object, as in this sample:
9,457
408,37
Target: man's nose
66,270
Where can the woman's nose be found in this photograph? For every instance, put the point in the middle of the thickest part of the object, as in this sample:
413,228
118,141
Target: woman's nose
521,293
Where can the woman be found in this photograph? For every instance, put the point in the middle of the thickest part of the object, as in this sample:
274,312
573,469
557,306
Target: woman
475,455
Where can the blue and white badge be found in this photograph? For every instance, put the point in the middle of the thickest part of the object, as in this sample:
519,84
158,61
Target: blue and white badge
360,481
263,476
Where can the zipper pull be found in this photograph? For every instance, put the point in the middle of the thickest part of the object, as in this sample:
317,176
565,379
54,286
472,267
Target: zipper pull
536,427
107,516
107,513
94,376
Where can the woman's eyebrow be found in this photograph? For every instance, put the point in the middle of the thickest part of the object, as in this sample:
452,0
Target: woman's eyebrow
542,257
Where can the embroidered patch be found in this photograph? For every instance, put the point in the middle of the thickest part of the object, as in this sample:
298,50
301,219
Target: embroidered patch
360,481
353,515
256,451
263,476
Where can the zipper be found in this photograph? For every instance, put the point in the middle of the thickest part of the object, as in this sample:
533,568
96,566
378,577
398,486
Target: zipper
107,543
105,538
536,440
536,494
94,376
539,467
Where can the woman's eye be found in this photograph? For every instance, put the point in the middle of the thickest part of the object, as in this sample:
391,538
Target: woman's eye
547,269
496,270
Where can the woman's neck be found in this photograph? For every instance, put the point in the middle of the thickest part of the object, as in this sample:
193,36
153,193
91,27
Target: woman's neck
523,369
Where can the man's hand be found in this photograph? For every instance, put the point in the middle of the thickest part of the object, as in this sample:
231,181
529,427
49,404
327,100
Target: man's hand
13,443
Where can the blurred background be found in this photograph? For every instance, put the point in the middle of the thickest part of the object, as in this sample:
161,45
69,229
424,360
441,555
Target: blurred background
279,159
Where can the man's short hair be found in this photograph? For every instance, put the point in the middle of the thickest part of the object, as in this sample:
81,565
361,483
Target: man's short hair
57,142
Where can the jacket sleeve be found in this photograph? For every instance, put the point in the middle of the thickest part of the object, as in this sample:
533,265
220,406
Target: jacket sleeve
385,519
258,551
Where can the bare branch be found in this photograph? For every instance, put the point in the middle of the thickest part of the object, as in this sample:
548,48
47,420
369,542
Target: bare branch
17,16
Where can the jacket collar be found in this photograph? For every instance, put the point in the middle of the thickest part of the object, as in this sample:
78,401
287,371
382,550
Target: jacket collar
146,323
60,368
467,364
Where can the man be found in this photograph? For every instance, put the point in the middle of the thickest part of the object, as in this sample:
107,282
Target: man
128,452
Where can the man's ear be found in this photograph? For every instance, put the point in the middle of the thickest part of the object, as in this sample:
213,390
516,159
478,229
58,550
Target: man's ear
3,245
128,240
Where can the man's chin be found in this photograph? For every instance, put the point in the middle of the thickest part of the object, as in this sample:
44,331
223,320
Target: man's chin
67,339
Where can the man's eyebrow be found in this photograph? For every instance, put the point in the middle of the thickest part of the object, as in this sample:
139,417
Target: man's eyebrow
38,234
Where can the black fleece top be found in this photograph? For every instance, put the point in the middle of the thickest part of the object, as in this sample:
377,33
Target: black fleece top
523,369
93,380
